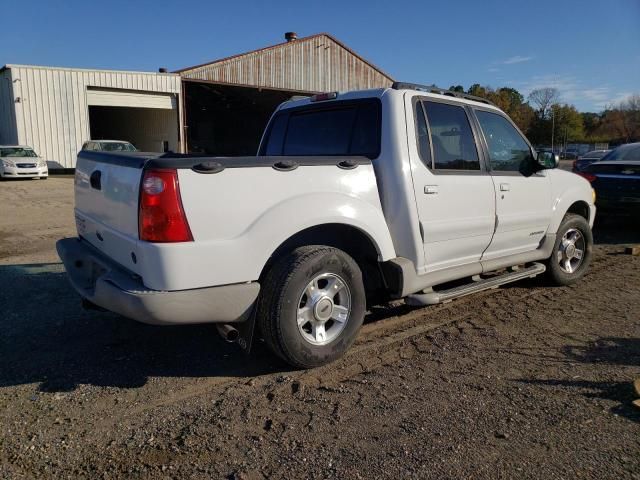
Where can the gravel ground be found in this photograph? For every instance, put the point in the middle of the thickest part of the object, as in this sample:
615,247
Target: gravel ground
521,382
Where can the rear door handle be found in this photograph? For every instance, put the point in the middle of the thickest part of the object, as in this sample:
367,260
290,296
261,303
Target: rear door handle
430,189
505,187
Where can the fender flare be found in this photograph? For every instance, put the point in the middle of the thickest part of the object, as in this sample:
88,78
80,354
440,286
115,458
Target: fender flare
563,203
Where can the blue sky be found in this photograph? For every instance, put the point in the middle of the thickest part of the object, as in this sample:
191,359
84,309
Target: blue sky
588,49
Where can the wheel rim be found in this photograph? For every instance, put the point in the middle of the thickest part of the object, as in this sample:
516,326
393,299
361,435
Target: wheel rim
324,309
571,251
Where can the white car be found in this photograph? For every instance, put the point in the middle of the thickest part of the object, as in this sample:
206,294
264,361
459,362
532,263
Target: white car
108,146
353,199
18,161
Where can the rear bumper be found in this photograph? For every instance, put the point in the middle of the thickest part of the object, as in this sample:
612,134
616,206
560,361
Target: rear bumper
106,284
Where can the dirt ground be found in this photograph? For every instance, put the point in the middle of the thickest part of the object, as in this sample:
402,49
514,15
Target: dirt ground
525,381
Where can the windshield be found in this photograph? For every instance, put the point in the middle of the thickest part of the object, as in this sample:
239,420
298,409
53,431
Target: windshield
624,152
17,152
118,147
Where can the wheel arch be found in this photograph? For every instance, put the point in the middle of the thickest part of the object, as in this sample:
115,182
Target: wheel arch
580,207
352,240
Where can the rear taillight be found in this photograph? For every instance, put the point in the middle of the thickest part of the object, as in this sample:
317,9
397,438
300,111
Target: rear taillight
161,216
575,164
590,178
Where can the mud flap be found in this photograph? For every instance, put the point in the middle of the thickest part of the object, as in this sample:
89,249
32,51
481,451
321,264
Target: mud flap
246,331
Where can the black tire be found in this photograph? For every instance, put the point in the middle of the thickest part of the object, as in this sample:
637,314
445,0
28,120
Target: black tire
556,274
280,298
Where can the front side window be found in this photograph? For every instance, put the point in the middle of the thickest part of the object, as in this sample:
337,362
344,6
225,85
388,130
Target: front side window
341,129
452,140
508,151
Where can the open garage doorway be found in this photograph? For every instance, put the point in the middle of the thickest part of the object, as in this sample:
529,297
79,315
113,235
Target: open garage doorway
228,120
148,129
148,120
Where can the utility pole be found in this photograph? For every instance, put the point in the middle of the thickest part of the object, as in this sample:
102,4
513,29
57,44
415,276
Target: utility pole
553,127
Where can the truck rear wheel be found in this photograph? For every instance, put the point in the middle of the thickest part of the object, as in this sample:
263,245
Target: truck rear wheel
312,305
571,252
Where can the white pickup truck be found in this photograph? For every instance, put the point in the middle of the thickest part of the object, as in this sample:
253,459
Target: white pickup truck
353,199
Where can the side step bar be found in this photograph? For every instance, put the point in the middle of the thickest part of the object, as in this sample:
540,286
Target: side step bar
432,297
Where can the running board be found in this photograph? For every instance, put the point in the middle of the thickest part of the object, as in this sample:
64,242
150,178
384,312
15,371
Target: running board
432,297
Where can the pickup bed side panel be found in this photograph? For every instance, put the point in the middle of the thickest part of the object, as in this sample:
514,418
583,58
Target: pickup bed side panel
239,217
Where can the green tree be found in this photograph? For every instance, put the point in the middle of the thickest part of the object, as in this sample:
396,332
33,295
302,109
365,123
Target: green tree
569,125
457,88
477,90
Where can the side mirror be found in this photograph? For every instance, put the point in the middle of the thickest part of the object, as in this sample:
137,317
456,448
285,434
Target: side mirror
548,159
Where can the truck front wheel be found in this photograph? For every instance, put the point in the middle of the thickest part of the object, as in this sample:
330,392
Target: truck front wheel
571,252
311,305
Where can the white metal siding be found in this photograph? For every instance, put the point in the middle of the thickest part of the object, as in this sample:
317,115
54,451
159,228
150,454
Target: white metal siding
128,98
8,132
52,116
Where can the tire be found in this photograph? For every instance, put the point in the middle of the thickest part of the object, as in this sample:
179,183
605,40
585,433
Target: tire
564,267
296,291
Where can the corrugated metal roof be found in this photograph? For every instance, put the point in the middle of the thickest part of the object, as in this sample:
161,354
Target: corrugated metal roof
317,63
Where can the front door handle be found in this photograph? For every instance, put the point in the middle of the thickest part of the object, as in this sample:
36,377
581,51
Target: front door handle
505,187
430,189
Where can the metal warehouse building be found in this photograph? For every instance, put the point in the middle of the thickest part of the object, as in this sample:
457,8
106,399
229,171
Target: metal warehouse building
218,108
55,110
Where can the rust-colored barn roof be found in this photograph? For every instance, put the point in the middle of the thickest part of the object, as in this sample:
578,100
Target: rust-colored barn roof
317,63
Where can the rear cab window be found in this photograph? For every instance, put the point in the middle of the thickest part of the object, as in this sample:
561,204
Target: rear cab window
342,128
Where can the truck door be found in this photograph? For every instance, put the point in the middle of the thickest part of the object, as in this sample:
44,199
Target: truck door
454,192
523,196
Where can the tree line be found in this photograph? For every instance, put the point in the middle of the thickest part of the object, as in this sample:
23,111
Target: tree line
544,118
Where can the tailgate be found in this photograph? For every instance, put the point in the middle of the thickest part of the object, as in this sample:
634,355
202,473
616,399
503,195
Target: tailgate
106,202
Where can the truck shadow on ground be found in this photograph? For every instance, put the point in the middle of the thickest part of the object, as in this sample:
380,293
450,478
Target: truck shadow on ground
611,351
47,338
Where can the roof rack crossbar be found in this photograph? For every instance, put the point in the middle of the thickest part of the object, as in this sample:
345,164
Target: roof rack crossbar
441,91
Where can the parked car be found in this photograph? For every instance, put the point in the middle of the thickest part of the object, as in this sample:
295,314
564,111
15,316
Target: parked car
616,181
569,154
588,158
354,198
19,161
628,151
108,146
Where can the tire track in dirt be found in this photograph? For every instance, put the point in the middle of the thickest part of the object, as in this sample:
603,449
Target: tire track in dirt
387,339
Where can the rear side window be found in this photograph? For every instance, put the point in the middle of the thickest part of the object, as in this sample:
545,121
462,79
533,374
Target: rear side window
452,140
341,129
508,151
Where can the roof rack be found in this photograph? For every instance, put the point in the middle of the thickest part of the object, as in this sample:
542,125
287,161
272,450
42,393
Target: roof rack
441,91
